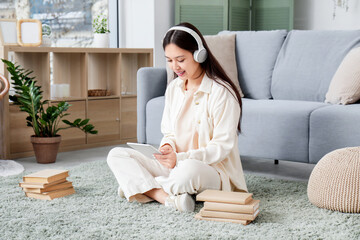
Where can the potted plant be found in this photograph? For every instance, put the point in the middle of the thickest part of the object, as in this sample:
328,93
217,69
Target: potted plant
42,117
101,32
46,33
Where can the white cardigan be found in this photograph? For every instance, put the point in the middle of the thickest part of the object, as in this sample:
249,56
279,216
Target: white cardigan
217,114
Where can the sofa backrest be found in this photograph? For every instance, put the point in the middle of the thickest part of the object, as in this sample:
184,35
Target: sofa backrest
307,62
256,54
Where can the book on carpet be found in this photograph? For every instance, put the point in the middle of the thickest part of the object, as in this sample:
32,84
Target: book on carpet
51,195
229,215
243,222
41,185
62,185
210,195
249,208
46,176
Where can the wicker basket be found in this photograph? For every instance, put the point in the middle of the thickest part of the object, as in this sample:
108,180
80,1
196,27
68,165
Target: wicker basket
98,92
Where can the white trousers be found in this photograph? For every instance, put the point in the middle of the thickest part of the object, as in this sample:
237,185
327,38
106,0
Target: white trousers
137,174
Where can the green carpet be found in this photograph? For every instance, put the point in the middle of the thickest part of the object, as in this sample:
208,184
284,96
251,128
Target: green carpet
95,212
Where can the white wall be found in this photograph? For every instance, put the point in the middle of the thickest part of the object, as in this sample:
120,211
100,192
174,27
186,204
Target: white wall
137,22
164,19
318,15
143,23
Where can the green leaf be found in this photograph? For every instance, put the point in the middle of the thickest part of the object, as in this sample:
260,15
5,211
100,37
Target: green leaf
84,122
88,128
67,122
77,121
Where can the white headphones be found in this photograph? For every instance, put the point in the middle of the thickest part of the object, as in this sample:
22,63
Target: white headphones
200,55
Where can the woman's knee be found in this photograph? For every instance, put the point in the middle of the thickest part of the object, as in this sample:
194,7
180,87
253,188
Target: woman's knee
195,176
116,153
186,171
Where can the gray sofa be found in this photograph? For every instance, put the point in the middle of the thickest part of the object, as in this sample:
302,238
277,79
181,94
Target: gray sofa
284,77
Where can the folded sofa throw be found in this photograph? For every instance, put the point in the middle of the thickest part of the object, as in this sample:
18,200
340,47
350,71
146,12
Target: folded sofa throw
345,85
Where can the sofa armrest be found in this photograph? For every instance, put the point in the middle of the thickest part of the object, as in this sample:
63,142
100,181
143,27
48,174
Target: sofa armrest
151,83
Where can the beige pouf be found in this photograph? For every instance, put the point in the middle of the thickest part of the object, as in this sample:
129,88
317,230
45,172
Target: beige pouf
335,181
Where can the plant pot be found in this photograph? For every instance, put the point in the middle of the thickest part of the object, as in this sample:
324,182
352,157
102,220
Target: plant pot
101,40
45,148
46,41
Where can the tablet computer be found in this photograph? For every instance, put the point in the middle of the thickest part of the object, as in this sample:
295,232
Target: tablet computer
145,149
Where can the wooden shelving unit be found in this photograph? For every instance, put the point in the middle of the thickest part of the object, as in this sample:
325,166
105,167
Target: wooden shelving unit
74,71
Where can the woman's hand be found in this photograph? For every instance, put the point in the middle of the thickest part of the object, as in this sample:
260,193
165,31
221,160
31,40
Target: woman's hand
168,157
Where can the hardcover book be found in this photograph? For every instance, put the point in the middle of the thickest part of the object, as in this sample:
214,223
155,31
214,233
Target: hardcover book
41,185
51,195
210,195
243,222
46,176
229,215
49,188
249,208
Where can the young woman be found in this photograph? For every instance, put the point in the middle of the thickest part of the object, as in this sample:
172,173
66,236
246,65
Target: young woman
200,124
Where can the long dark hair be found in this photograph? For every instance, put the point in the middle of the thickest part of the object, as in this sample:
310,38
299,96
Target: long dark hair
211,66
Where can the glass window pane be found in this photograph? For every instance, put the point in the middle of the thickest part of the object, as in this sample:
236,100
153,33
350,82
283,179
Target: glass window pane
70,20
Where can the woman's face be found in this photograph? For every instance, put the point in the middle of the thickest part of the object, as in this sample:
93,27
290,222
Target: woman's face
182,62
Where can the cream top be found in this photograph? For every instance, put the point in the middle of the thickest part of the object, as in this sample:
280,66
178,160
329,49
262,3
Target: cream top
216,113
185,131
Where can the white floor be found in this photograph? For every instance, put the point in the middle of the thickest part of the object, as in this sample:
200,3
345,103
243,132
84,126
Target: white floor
263,167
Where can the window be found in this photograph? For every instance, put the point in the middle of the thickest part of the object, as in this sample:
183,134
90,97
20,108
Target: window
70,20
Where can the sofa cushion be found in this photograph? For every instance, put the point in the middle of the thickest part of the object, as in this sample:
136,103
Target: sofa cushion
276,129
154,112
256,53
345,85
223,48
333,127
307,62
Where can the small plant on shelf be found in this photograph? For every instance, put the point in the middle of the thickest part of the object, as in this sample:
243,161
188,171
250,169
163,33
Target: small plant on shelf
100,24
46,30
46,35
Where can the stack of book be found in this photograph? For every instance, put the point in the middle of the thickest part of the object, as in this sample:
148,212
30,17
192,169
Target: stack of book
236,207
47,184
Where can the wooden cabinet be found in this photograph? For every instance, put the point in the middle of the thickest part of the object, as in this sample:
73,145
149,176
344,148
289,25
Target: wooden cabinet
73,137
66,74
128,118
105,115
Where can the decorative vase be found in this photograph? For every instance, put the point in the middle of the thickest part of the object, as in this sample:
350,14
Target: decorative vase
101,40
46,41
46,148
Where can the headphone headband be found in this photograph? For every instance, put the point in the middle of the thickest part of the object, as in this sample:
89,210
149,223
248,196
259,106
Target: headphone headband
191,32
200,55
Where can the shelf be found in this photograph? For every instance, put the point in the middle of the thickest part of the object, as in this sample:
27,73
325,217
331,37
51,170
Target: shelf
77,50
132,62
68,99
69,79
67,74
128,95
39,63
104,97
104,72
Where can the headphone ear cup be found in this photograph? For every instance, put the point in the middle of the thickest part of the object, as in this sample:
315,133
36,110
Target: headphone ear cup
200,55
